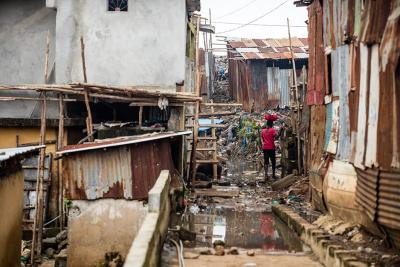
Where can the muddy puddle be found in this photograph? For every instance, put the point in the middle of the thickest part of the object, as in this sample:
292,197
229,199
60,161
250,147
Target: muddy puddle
240,228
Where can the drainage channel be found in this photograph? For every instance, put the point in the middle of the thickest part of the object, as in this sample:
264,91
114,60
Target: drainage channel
239,228
241,221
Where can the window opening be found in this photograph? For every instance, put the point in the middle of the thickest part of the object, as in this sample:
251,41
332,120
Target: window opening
118,5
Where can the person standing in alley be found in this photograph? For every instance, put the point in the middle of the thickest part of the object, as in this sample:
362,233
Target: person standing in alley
268,135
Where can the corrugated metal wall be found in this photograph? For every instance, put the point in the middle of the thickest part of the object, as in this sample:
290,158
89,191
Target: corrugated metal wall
127,171
258,87
356,54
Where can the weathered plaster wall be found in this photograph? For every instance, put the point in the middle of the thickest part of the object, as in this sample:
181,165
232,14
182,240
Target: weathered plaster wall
144,46
11,199
106,225
23,31
25,135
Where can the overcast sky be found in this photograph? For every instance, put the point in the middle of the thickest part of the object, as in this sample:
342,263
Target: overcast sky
252,9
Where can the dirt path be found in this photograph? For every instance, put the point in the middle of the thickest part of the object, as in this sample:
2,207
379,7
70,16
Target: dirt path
258,260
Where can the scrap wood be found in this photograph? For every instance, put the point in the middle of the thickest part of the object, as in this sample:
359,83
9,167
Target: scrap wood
284,182
116,93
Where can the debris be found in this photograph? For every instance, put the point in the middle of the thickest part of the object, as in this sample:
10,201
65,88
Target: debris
219,250
194,209
233,251
62,244
191,255
284,182
251,253
185,234
61,236
205,251
218,243
49,252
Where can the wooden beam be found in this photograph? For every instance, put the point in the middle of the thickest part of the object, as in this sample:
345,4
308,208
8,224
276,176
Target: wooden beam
222,104
60,145
296,99
89,120
209,126
39,205
215,114
140,116
213,134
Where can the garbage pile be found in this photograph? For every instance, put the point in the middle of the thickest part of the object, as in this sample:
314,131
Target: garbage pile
221,85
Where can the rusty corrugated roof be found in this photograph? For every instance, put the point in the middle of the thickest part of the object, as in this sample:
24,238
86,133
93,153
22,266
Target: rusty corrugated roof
120,141
269,48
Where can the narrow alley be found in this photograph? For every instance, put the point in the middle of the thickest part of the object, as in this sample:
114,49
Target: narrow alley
199,133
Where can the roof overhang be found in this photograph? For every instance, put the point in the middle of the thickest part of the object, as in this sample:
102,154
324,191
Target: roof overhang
120,141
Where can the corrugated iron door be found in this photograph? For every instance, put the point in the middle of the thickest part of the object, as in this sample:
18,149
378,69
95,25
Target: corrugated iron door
148,159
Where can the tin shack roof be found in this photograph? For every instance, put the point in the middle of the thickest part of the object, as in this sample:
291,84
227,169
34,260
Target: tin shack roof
10,153
269,48
120,141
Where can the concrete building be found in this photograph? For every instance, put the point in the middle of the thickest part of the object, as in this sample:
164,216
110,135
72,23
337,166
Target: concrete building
142,43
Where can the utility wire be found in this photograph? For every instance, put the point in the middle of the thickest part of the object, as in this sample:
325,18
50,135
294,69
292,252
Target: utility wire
256,19
236,10
257,24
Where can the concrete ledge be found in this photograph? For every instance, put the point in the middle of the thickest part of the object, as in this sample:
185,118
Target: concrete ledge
328,253
147,244
159,192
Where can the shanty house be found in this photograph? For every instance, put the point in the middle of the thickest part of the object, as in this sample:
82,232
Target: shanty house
353,91
260,70
107,182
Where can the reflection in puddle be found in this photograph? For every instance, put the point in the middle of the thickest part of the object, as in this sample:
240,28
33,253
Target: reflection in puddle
245,229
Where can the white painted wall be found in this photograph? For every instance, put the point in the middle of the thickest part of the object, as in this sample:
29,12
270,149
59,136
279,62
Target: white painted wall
23,31
144,46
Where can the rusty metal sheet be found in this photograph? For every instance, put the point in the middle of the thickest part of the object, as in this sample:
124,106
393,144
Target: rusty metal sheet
373,110
127,171
250,55
316,73
98,174
332,126
147,161
363,108
259,42
373,21
317,130
120,141
378,194
366,193
389,126
340,86
389,199
236,44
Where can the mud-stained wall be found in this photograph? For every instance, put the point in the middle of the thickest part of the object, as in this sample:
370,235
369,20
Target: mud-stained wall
28,135
101,226
11,201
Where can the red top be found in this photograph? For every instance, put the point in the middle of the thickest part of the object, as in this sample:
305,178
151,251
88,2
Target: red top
268,137
271,117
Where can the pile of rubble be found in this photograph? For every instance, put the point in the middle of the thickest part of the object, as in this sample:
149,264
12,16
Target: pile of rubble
221,84
54,247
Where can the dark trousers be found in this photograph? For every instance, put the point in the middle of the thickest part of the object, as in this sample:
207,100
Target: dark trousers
269,155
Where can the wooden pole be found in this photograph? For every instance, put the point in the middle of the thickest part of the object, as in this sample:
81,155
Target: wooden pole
214,136
89,120
60,145
297,101
197,107
140,116
210,46
39,207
